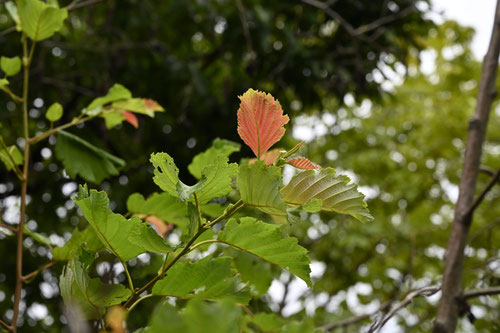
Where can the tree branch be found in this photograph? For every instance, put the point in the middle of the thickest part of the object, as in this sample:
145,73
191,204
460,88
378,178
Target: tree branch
481,292
449,308
362,30
494,179
425,291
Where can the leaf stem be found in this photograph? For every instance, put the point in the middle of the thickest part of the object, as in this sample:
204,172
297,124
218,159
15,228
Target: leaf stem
24,183
209,241
140,300
77,120
129,278
13,96
18,171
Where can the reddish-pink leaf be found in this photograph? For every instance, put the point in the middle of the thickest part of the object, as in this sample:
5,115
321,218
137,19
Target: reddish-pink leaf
260,121
131,118
303,163
268,157
152,105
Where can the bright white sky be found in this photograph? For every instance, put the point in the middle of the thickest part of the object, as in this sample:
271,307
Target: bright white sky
477,14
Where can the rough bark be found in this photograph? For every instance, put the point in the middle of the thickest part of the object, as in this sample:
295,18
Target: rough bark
447,316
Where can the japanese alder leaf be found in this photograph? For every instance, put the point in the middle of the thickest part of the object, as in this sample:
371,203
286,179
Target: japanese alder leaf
216,178
80,157
115,93
112,229
303,163
198,316
219,147
265,241
143,235
86,236
260,121
259,187
91,296
335,193
207,279
40,20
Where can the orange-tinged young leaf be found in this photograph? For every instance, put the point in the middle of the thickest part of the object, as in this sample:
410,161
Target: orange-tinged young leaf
260,121
303,163
268,157
131,118
152,105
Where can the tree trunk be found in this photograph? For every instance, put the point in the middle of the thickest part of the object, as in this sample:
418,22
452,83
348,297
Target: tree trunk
447,316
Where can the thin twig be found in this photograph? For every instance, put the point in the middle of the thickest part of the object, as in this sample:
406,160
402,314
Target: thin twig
481,292
167,265
479,199
27,56
3,225
77,120
483,229
9,92
29,277
4,324
77,4
425,291
356,319
362,30
244,25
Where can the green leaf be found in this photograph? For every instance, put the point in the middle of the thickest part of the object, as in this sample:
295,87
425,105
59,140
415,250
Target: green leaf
12,9
55,112
115,93
216,178
86,236
185,192
3,83
112,118
166,174
333,191
196,317
10,66
219,147
89,295
259,187
137,105
253,270
143,235
265,241
219,177
207,279
112,229
161,205
80,157
16,154
40,20
268,322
